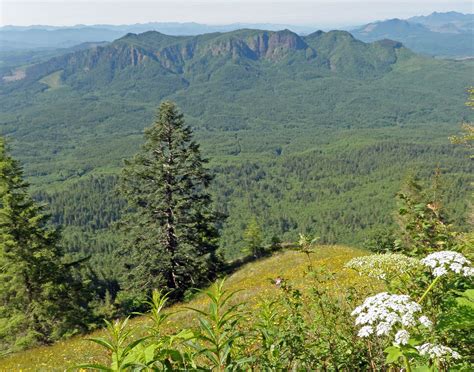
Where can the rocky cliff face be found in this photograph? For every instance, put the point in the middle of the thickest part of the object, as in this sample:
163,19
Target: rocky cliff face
274,45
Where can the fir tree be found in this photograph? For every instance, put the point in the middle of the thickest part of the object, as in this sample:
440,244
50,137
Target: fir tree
253,238
171,234
38,295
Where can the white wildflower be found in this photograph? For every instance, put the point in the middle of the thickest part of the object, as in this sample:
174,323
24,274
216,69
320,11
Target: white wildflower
468,271
383,266
408,319
384,313
448,261
425,321
383,329
456,267
437,351
365,331
402,337
439,271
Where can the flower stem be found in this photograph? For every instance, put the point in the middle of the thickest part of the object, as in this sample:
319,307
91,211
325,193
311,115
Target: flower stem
429,289
407,363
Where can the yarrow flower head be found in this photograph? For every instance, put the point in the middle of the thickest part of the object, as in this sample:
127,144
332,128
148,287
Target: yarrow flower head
439,352
383,266
402,337
441,263
383,313
425,321
365,331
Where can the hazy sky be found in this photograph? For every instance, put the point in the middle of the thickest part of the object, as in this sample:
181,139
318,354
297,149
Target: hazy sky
305,12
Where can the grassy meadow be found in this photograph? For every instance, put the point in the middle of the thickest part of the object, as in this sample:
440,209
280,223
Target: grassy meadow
254,280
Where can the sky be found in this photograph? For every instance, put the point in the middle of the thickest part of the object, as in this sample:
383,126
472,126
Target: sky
323,13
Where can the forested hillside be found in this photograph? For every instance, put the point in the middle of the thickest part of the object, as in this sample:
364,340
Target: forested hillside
307,134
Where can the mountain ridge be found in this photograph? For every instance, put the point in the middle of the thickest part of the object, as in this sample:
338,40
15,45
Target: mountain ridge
329,51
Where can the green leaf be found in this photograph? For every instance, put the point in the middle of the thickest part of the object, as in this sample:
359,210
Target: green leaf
103,343
393,354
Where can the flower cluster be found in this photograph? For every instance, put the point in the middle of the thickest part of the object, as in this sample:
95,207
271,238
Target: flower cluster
437,351
445,261
383,266
384,312
402,337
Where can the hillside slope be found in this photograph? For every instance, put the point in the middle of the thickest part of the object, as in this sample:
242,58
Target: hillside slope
254,279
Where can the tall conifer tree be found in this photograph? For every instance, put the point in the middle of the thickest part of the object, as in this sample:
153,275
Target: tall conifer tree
172,234
38,296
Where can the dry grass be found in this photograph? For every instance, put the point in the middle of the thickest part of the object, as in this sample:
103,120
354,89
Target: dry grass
253,279
53,81
18,74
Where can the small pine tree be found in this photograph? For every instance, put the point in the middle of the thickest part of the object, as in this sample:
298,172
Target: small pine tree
38,296
253,238
171,234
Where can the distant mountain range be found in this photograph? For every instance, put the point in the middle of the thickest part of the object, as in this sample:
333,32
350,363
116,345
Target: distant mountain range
449,22
439,34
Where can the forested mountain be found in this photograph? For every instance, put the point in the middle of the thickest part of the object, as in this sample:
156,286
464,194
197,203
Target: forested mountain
439,34
308,134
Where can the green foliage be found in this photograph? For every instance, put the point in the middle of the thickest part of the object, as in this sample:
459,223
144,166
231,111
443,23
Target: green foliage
219,330
156,351
467,136
171,235
342,121
307,330
253,239
296,330
381,241
305,245
40,299
422,220
119,346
